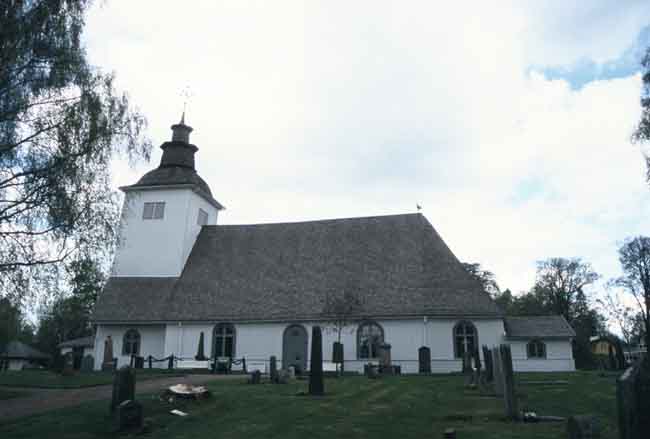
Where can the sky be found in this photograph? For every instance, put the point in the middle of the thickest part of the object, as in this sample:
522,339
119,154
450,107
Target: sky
508,122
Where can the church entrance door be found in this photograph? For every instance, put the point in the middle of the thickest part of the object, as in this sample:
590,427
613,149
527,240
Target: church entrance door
294,348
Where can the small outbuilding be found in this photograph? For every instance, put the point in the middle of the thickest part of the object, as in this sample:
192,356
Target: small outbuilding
18,355
540,343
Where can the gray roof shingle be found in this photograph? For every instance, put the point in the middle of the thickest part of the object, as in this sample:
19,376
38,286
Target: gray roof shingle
398,264
78,342
538,327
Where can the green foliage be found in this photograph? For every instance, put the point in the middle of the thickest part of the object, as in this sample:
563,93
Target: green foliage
642,132
69,316
61,124
634,256
485,277
13,325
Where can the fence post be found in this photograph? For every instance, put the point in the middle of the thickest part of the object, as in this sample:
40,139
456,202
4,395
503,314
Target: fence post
150,361
170,363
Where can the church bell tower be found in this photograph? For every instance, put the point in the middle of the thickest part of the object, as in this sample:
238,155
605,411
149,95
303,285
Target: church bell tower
163,212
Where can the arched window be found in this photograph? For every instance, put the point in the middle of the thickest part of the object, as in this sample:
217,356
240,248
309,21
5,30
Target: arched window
536,349
369,337
465,338
131,343
224,340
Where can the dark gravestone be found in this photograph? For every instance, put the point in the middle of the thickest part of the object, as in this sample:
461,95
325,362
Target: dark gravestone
273,364
87,363
337,355
509,394
129,415
316,382
123,386
385,362
200,353
583,427
424,360
467,362
497,371
109,363
372,370
68,364
449,433
256,377
487,359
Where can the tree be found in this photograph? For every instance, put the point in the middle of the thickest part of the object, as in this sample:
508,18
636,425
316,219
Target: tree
560,285
634,256
13,325
61,124
628,320
69,316
642,132
485,277
341,309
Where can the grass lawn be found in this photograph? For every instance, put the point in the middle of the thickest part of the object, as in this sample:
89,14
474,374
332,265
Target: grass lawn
50,380
396,407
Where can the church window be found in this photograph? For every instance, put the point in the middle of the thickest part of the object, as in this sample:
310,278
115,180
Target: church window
465,338
536,349
154,210
202,219
131,343
369,337
224,340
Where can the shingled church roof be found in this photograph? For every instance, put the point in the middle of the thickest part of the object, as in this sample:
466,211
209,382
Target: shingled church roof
398,266
554,326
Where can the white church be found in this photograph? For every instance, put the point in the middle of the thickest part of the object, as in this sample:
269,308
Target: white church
256,290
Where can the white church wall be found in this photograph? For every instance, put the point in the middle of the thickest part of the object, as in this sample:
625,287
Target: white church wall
559,357
152,342
192,229
152,247
257,342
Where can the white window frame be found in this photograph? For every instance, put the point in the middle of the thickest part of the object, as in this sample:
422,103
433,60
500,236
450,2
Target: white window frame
153,210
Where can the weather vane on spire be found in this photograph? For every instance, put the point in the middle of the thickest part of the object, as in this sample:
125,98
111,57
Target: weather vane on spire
186,94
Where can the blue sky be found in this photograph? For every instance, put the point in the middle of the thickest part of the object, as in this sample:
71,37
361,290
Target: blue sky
509,124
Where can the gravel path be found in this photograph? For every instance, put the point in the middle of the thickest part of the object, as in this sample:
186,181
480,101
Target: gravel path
43,400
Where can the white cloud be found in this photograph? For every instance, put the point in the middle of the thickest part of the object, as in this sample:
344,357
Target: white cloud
332,109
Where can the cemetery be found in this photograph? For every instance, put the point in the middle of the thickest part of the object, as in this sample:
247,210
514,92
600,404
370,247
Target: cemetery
485,399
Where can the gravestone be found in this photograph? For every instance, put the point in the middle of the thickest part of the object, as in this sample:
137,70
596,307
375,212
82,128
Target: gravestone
284,376
87,363
385,363
129,415
424,359
123,386
583,427
256,377
449,433
200,353
273,364
509,394
68,362
487,359
497,371
467,362
108,364
316,381
372,370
